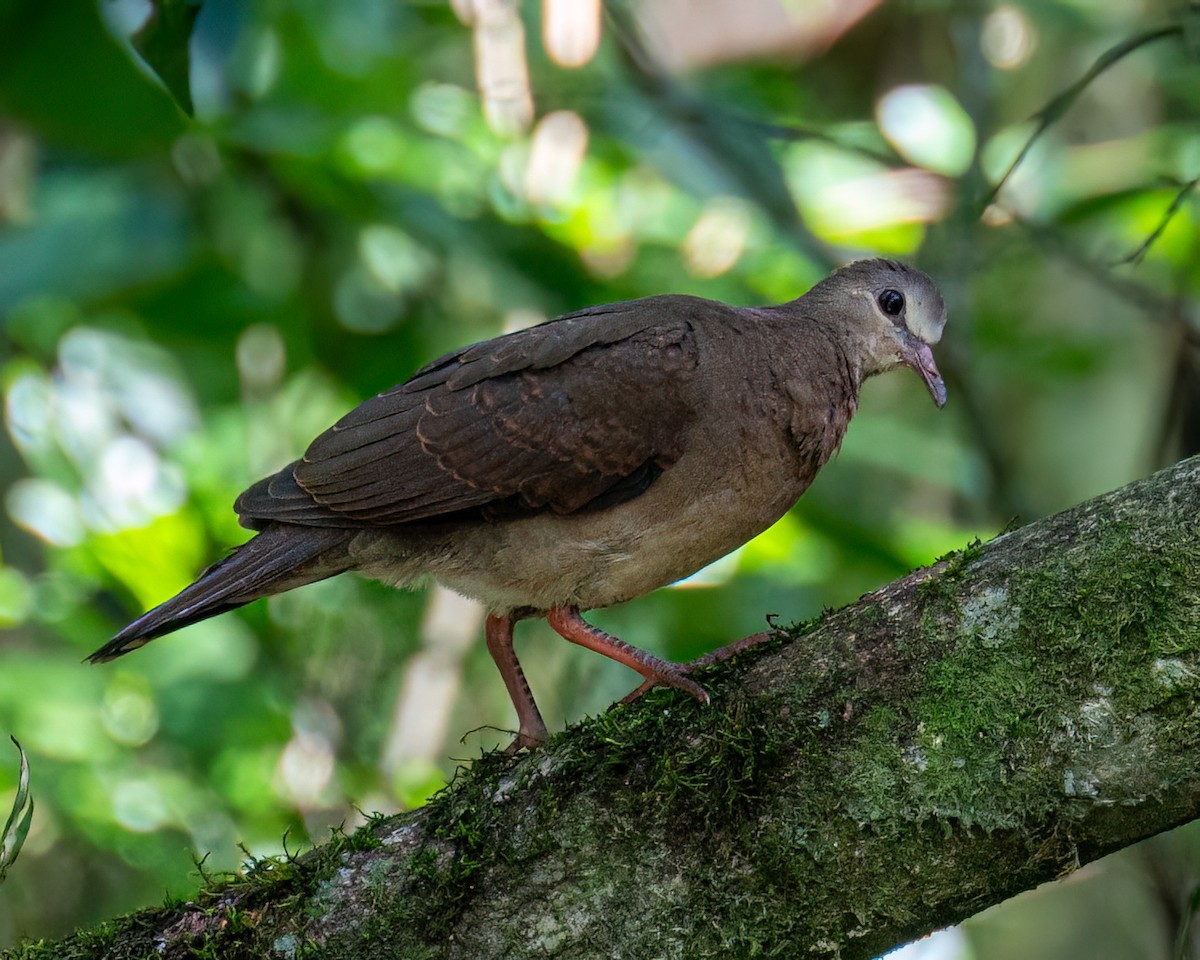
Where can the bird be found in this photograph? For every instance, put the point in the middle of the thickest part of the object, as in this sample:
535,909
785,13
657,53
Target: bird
578,463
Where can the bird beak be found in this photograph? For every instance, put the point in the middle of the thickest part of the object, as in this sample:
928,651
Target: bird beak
918,355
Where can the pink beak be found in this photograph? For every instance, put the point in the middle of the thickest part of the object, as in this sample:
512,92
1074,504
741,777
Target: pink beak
918,355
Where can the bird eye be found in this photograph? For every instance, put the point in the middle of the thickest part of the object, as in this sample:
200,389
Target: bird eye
891,302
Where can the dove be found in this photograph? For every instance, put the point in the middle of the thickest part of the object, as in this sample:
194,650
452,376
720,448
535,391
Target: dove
578,463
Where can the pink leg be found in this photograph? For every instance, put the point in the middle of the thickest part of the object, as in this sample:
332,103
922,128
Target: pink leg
567,622
532,731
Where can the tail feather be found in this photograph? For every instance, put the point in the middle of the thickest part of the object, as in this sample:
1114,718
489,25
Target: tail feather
278,559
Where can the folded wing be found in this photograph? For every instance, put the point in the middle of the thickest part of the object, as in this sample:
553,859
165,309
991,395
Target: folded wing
576,414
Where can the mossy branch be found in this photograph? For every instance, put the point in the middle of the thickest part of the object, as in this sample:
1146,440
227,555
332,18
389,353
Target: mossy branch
967,732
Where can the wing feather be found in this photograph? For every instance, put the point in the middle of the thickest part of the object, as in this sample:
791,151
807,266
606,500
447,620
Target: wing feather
578,413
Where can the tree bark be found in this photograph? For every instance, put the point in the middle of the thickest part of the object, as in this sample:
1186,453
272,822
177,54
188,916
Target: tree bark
972,730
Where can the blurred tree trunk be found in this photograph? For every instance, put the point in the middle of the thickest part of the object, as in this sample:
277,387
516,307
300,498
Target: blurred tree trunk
970,731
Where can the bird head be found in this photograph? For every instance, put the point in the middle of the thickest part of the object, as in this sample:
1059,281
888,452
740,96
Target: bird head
894,313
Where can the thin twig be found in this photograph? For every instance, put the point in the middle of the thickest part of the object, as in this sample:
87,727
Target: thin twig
1053,110
1136,255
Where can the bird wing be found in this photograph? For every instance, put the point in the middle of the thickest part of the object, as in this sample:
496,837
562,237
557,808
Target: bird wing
579,413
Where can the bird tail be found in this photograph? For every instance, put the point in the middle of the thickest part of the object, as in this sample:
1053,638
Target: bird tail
278,559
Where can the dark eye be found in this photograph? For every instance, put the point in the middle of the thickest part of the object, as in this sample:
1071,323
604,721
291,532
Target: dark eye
891,302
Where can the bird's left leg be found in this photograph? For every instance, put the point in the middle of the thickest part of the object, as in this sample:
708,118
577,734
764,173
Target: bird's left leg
567,623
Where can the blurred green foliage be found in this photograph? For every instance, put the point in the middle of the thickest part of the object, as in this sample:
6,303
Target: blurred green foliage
184,303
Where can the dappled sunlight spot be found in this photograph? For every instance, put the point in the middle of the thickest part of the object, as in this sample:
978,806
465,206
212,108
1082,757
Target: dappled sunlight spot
156,405
197,159
64,724
571,30
124,17
103,377
604,212
18,170
995,215
29,412
717,240
1025,188
928,127
688,34
556,153
394,258
130,487
261,358
128,711
845,197
85,419
878,201
1008,37
138,804
304,773
609,259
442,108
371,295
16,597
1113,167
305,770
261,61
650,207
47,510
373,146
500,68
363,304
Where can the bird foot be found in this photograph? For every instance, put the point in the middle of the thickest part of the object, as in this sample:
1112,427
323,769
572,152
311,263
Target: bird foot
678,677
675,675
526,740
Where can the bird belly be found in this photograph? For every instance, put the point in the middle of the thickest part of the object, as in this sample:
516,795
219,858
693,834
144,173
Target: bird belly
598,558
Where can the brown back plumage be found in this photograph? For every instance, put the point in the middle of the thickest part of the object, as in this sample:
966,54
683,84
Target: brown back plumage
576,414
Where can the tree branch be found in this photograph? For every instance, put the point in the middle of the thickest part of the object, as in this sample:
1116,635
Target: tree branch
972,730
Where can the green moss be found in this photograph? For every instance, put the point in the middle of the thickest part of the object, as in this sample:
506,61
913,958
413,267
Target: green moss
948,569
1011,670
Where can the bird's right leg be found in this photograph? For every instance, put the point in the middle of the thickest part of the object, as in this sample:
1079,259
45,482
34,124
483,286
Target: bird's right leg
499,633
